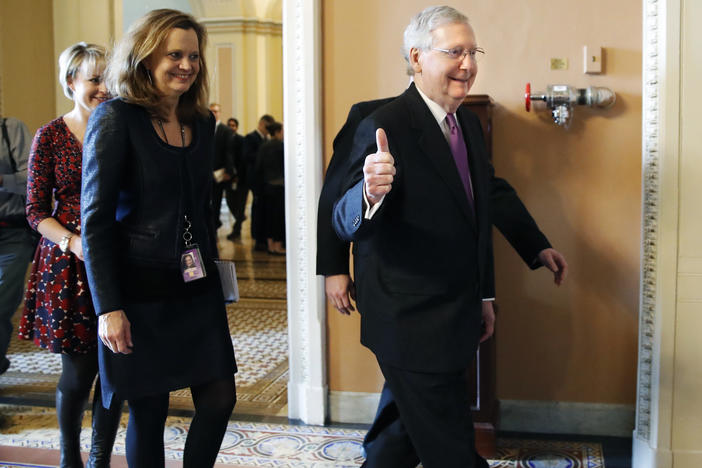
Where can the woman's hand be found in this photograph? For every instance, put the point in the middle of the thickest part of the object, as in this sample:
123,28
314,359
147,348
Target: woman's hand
75,245
115,331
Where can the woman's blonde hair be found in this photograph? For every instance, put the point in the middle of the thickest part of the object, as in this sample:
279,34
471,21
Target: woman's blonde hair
128,77
76,56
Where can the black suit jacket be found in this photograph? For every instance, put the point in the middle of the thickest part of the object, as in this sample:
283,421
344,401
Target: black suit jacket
252,142
237,145
424,262
224,149
332,252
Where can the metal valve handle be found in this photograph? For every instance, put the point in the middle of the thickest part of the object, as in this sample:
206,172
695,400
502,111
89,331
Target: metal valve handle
527,97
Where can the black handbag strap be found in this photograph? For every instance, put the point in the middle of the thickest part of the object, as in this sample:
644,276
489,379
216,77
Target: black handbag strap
6,139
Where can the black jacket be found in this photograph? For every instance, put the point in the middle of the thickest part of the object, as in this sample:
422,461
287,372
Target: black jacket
423,263
224,149
136,192
332,252
252,142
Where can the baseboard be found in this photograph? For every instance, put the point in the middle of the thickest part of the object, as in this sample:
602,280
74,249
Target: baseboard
559,417
548,417
353,407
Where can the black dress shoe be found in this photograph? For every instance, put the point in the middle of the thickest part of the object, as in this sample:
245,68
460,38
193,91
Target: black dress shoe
480,462
234,236
261,247
4,365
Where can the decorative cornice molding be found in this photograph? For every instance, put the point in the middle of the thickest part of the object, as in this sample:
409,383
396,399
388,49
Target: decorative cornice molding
240,24
651,154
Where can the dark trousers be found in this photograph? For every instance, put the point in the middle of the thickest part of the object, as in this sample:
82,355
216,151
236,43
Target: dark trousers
274,205
422,417
16,248
213,401
224,190
258,217
236,199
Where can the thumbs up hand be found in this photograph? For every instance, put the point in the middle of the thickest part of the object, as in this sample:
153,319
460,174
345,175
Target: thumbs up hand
379,170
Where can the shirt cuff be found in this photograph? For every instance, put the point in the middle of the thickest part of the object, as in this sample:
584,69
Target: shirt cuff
489,299
373,209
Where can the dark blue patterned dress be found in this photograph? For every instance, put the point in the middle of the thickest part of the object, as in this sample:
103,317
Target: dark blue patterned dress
58,312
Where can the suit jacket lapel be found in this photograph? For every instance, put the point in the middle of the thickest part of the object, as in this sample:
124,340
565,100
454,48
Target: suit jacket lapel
433,144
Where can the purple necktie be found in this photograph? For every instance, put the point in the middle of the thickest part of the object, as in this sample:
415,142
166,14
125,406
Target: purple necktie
460,156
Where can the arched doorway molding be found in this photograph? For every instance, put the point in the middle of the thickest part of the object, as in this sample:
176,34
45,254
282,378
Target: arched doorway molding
652,438
302,110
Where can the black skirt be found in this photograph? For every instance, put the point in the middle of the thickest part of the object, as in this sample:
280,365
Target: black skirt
180,335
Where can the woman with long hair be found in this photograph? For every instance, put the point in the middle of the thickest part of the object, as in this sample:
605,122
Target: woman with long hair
146,206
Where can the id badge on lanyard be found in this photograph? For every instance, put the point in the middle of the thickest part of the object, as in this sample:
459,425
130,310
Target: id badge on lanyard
191,265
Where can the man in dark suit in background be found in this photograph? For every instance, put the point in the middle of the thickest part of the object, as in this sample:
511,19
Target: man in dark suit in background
252,142
236,192
223,163
419,201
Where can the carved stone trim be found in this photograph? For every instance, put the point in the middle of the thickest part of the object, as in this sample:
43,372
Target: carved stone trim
303,177
651,154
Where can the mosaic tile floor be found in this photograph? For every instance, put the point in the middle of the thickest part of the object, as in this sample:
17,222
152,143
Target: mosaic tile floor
259,337
289,446
258,324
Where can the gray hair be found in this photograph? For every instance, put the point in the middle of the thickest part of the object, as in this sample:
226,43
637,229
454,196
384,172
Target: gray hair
73,58
418,33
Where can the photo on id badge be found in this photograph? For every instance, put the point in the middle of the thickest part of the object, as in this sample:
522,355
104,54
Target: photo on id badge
191,265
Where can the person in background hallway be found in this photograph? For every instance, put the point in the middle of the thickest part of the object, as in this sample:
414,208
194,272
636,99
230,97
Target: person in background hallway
252,142
236,192
419,175
270,176
233,124
16,240
146,204
58,313
224,172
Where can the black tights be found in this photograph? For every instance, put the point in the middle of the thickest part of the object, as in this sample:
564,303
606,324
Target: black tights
77,375
214,402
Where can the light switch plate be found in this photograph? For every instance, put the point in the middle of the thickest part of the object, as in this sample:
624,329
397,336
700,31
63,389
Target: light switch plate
592,59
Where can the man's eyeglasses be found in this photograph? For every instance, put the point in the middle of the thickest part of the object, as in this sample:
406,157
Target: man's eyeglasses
460,53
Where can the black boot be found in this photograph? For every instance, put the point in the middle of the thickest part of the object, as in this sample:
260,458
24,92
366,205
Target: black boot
70,416
105,426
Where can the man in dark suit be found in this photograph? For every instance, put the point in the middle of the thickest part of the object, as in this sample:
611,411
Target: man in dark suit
223,163
418,203
252,142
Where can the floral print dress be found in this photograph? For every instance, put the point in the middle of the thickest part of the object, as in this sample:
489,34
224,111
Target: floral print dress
58,312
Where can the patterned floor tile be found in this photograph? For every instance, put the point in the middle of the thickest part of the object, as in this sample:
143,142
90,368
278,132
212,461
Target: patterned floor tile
290,446
259,336
263,289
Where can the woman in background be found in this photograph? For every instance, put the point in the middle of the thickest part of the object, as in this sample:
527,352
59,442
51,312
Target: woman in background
58,313
146,206
270,176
